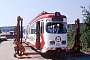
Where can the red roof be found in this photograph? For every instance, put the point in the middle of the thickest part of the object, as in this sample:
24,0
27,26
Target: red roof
45,15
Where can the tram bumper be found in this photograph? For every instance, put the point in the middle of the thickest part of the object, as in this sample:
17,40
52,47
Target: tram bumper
44,50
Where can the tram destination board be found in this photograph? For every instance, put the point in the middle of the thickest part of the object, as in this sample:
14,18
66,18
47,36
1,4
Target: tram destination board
57,19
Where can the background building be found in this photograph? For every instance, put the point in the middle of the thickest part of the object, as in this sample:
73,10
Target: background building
73,26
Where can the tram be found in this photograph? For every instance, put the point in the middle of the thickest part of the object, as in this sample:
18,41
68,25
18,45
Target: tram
47,32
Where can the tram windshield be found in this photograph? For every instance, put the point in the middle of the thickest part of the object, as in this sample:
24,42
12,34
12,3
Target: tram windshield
56,28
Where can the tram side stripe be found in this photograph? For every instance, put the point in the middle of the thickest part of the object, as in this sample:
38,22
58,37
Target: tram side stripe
42,42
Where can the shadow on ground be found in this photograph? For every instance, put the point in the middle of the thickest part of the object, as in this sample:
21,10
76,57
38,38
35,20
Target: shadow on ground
54,55
62,56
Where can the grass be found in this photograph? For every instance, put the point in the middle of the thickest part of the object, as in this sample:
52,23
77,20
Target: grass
84,47
70,44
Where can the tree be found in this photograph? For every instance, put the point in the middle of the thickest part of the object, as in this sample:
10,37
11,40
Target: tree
71,36
86,28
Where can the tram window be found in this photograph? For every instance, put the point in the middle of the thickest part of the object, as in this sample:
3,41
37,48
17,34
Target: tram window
49,27
56,28
42,27
33,31
24,31
33,28
29,30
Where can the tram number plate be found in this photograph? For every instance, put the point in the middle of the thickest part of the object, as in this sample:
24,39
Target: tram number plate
57,44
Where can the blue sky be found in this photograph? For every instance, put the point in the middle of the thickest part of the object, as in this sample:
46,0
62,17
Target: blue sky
28,9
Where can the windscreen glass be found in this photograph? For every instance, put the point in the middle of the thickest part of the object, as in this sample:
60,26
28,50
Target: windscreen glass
56,28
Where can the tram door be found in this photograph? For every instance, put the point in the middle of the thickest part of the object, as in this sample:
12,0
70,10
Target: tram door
38,35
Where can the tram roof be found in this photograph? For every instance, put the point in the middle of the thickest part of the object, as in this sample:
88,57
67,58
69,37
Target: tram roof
45,15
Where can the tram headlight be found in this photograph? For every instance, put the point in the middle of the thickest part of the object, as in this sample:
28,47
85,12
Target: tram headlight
63,42
52,42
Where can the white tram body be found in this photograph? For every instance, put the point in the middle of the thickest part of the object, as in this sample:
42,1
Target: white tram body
48,31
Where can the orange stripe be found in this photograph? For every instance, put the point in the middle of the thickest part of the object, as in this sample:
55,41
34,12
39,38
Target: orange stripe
42,42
